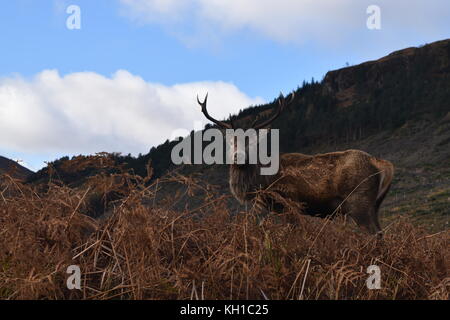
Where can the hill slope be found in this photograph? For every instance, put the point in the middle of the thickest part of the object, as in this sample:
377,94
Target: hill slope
397,108
14,169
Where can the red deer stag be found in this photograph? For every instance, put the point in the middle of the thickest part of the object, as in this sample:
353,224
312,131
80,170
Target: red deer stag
352,180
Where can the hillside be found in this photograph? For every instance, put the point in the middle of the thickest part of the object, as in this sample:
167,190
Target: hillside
396,108
13,169
140,228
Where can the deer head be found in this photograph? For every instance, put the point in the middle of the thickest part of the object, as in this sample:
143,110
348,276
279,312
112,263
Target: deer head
240,152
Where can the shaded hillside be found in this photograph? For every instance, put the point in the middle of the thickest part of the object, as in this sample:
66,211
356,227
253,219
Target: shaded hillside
397,107
420,151
13,169
347,105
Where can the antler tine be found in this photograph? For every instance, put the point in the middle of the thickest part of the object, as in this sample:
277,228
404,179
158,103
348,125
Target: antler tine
203,104
256,120
205,112
281,106
292,98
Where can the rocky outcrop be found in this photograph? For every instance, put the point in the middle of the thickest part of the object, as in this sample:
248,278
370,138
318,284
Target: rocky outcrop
354,84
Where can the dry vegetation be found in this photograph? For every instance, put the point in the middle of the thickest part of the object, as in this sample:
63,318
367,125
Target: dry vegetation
143,251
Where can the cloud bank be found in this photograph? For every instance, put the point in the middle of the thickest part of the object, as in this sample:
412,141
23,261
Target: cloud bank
299,21
87,113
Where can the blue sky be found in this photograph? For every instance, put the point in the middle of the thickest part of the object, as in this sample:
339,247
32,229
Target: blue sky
129,76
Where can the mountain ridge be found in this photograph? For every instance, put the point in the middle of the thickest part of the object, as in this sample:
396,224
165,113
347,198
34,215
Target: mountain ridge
14,169
350,102
396,108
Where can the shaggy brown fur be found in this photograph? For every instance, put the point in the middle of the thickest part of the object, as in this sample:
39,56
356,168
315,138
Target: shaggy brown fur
352,182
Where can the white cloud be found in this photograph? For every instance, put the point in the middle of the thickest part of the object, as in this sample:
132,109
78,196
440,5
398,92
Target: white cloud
321,21
86,112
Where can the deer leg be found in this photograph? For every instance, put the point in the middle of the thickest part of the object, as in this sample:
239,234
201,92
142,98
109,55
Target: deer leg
376,222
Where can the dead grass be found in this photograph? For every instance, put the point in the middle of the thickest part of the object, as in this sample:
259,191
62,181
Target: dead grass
141,251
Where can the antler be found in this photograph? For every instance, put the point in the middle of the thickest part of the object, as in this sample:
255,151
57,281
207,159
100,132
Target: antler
281,105
205,112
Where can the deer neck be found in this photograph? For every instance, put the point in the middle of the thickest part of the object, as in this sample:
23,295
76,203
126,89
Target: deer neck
246,179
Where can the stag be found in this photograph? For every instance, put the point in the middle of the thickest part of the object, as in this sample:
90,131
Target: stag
351,182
